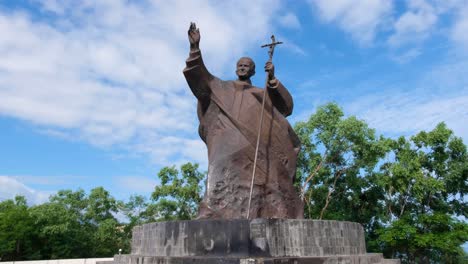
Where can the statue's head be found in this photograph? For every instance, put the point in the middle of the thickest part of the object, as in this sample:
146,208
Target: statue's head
245,68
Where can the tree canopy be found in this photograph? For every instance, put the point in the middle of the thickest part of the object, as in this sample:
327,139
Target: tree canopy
71,225
409,193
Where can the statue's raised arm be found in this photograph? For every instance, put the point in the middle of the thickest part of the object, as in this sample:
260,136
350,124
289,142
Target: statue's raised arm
196,74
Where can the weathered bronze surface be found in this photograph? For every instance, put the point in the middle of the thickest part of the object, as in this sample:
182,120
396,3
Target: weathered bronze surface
229,114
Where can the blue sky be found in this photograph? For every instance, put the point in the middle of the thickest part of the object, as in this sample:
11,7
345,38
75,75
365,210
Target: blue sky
92,92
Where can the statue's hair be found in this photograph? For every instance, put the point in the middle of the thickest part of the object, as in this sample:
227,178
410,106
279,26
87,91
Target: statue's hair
251,62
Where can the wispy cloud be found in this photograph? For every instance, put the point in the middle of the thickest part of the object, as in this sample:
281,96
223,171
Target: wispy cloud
440,95
404,114
406,56
460,29
10,187
137,184
415,24
294,48
362,19
52,181
289,20
166,150
110,72
403,30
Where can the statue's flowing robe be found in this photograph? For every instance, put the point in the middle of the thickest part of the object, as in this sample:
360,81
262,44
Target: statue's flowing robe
229,114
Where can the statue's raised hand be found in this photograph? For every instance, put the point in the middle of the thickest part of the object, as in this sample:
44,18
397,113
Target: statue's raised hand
194,36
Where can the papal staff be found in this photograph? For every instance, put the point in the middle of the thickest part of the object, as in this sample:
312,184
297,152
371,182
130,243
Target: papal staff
270,54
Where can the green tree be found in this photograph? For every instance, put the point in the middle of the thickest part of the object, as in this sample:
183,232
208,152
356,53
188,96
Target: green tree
61,228
76,225
15,229
179,194
425,185
137,213
100,206
407,193
338,157
136,210
108,235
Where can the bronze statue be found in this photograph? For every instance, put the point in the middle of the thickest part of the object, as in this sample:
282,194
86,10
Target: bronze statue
229,114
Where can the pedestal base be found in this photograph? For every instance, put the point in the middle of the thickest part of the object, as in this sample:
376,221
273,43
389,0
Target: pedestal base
242,241
342,259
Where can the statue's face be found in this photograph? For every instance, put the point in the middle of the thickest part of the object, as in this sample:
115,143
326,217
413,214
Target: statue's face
245,68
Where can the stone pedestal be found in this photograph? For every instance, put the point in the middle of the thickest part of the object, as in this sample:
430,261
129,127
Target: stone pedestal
292,241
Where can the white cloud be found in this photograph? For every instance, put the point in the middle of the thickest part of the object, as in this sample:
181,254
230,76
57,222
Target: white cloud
421,20
417,21
360,18
415,24
406,56
50,181
443,6
10,187
110,72
137,184
460,29
439,95
289,20
292,47
402,113
165,150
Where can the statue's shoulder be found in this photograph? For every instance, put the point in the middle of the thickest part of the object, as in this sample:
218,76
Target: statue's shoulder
256,90
227,84
220,87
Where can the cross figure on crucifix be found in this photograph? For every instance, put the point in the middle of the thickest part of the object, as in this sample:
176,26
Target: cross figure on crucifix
272,47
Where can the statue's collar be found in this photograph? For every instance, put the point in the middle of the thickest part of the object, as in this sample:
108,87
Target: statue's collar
248,82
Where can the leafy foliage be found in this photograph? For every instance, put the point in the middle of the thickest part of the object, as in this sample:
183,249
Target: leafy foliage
179,194
71,225
136,212
336,154
409,194
424,188
55,223
15,229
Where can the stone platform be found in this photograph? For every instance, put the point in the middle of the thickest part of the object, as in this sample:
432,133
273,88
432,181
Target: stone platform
244,241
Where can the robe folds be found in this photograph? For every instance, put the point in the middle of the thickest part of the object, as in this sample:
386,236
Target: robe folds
229,115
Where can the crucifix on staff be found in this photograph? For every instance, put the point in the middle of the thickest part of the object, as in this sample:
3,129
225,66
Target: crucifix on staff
269,68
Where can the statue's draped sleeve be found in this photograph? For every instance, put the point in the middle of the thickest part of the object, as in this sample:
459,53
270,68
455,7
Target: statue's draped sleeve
280,97
198,78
